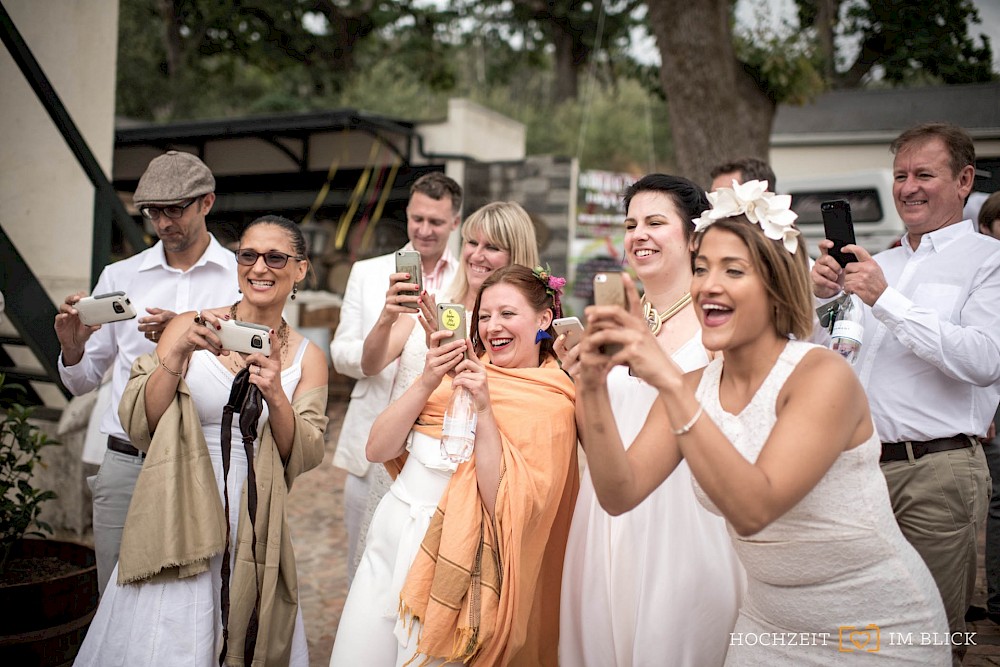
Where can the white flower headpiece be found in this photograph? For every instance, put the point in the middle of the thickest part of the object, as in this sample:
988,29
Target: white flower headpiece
772,212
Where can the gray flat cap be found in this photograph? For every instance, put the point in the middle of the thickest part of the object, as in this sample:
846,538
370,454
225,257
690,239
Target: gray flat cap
172,178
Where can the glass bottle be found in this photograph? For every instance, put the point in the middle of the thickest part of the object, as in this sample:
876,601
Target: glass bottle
458,435
848,329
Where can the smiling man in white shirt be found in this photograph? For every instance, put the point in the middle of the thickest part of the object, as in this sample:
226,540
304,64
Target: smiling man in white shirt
930,357
186,270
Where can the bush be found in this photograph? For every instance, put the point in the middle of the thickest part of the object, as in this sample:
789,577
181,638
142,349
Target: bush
21,443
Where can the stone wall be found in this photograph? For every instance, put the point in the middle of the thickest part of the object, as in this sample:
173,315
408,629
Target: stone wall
543,185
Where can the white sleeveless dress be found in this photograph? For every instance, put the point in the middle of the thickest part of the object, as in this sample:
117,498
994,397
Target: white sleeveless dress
179,621
835,567
659,585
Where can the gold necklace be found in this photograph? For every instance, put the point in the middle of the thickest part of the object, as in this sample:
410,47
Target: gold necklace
655,320
282,332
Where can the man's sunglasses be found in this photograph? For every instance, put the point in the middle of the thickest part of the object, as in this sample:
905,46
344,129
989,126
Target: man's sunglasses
172,212
273,258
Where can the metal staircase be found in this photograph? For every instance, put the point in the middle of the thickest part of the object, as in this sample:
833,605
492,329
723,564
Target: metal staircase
29,354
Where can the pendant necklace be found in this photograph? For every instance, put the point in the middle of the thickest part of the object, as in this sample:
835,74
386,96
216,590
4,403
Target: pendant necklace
655,320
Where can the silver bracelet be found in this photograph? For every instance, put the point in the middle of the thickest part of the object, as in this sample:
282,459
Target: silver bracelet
687,427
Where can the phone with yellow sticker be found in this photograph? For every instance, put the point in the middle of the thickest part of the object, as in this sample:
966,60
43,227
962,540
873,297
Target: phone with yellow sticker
451,317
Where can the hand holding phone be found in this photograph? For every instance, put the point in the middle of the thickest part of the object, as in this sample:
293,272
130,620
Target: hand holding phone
571,327
244,337
104,308
609,290
451,317
408,261
839,228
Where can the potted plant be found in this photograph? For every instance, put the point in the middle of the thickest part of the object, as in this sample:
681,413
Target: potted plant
48,589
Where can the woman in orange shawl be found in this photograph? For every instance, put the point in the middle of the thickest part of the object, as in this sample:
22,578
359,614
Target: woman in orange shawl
463,563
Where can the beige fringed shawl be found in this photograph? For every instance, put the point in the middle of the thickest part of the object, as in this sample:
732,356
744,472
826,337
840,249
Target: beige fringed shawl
486,590
176,522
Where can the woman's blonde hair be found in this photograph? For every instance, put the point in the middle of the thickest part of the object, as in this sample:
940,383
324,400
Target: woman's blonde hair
785,275
506,225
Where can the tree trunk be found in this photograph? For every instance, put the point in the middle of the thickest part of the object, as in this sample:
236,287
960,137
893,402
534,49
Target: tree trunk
718,111
174,52
826,20
567,65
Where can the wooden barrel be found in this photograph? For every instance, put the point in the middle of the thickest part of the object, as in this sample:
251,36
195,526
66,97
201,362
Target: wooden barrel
44,622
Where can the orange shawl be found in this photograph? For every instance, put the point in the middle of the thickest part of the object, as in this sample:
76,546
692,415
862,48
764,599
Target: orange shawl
477,602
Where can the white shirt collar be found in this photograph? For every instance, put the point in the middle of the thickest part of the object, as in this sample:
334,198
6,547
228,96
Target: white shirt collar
215,253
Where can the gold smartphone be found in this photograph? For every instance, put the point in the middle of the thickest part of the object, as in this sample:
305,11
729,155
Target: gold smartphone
451,317
609,290
408,261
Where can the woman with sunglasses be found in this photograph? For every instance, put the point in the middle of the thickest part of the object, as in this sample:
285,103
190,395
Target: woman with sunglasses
206,565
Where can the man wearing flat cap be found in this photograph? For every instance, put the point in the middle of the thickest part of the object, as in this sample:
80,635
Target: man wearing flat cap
186,270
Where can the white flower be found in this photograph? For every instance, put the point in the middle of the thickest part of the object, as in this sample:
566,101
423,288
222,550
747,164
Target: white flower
772,212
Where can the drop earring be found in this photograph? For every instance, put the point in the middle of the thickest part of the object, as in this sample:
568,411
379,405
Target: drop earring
295,289
542,335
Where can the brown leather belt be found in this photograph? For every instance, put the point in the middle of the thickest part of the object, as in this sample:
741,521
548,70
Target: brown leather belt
124,447
896,451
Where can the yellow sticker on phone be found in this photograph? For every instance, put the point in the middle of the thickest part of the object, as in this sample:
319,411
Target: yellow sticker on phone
450,319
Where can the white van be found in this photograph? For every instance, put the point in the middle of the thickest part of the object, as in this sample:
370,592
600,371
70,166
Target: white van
877,226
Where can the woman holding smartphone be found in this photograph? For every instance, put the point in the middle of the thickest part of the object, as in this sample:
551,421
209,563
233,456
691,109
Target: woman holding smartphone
496,235
667,559
462,562
780,441
189,579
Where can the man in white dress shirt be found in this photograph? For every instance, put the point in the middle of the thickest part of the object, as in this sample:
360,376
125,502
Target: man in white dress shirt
186,270
432,214
930,356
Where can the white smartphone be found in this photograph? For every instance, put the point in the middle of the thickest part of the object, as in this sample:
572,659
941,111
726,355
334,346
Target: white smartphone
244,337
571,327
104,308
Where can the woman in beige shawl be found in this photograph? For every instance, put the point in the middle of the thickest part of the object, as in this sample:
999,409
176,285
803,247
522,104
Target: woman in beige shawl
180,592
463,563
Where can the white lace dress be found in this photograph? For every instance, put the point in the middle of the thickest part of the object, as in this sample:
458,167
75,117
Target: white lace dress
659,585
179,621
834,574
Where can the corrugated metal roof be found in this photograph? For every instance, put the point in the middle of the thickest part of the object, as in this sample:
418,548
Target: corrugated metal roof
875,115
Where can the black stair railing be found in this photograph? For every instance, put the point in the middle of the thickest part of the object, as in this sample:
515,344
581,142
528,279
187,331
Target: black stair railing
28,306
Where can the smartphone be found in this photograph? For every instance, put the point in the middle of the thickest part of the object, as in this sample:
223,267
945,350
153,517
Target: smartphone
244,337
571,327
839,229
104,308
408,261
609,290
451,317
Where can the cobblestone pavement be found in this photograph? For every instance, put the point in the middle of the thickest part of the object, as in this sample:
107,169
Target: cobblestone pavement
315,517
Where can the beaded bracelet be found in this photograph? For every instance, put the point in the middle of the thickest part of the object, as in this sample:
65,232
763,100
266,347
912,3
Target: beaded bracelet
687,427
167,368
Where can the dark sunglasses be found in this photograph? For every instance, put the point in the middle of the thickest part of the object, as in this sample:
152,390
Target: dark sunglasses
273,258
172,212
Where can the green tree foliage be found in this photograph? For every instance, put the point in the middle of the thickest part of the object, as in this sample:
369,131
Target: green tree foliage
906,41
20,445
576,33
